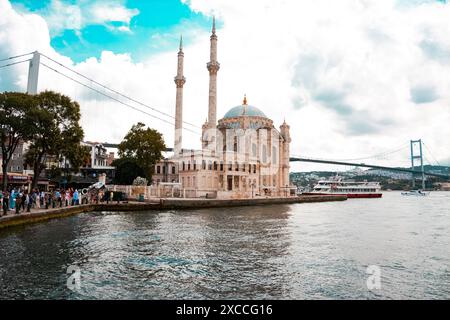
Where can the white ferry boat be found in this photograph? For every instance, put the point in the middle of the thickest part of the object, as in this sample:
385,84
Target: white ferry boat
352,189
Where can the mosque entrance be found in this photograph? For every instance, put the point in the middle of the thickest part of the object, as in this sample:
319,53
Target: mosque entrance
229,183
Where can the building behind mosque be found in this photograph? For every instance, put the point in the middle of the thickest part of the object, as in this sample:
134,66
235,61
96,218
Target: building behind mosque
243,155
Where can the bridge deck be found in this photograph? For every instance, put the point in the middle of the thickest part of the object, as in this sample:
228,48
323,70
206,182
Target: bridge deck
364,165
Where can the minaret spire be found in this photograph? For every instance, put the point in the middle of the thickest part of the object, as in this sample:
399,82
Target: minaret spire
213,67
180,80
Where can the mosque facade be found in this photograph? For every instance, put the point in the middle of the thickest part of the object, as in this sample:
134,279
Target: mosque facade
243,154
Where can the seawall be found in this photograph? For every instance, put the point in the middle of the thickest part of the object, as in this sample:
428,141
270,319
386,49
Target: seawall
163,204
216,203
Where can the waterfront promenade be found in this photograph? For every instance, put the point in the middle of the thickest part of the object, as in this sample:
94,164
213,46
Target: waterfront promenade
38,215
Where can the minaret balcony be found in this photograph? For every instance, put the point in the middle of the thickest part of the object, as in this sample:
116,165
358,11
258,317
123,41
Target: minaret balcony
180,81
213,66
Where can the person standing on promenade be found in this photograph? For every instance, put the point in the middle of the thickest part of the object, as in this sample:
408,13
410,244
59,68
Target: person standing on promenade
42,199
58,198
76,197
67,198
47,200
29,201
71,196
18,202
23,203
5,203
53,195
12,199
63,198
38,199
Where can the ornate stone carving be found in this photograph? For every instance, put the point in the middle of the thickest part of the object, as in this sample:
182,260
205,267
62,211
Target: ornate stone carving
213,67
180,81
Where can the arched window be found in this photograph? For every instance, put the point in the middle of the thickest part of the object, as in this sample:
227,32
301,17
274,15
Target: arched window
264,154
274,155
203,165
184,166
215,166
236,168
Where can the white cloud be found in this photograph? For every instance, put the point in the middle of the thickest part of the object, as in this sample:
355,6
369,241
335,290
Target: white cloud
106,13
351,77
62,16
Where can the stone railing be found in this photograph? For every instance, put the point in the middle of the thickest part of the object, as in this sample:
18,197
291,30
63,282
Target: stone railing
156,192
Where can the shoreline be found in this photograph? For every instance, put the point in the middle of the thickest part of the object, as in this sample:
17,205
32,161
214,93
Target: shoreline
41,215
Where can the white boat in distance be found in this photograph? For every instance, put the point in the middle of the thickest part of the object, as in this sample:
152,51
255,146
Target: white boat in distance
417,193
352,189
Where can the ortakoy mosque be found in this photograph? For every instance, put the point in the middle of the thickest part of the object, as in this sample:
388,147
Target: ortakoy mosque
243,155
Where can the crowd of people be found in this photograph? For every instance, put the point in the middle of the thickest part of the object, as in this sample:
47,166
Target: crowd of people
19,200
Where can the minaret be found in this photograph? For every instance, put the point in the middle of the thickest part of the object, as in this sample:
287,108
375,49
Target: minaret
213,66
285,154
180,80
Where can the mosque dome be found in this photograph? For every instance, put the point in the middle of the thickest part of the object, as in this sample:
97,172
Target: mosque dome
244,110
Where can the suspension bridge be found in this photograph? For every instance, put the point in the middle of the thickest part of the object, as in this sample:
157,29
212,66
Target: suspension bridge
36,59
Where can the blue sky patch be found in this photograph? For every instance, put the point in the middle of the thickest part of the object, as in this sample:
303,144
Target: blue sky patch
155,19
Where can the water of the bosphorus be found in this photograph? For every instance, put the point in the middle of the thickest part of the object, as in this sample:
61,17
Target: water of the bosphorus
299,251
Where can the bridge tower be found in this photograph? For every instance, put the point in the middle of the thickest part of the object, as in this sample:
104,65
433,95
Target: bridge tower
33,73
417,155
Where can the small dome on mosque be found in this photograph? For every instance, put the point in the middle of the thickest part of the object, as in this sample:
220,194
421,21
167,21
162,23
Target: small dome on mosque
244,110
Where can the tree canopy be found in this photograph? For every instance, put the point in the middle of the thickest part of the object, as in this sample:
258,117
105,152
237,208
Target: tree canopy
16,125
56,133
144,146
126,171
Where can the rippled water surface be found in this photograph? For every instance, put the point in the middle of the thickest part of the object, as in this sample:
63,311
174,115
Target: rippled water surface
301,251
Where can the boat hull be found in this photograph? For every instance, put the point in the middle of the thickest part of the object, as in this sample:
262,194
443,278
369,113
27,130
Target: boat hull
349,195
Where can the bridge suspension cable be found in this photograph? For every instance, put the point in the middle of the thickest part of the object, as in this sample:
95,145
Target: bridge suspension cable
383,154
429,151
15,57
110,97
13,63
115,91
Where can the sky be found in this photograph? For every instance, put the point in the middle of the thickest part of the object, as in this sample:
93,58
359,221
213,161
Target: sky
353,78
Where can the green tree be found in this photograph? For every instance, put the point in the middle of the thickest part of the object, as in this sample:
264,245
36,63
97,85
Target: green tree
57,132
126,171
15,125
144,146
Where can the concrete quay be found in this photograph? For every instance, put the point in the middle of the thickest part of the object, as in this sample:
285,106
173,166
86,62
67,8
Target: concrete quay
39,215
